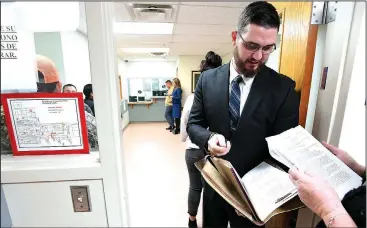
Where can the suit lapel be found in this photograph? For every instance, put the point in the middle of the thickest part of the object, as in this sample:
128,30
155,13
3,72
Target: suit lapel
223,97
258,90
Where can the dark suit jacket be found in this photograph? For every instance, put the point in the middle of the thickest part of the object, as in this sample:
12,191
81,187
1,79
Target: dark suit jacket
271,108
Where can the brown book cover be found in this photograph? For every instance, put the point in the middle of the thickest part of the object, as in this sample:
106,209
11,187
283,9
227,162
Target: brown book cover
223,178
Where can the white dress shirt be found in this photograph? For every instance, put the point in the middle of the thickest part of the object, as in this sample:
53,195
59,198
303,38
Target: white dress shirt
184,119
245,85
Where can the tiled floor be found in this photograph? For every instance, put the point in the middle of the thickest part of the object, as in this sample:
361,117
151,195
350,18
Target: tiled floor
157,178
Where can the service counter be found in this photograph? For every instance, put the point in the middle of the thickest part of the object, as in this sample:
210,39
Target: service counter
147,111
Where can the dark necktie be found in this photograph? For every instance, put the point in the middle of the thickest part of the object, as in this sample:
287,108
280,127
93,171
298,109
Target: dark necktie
234,103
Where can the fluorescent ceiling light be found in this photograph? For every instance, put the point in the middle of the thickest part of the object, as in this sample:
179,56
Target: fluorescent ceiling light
143,28
144,50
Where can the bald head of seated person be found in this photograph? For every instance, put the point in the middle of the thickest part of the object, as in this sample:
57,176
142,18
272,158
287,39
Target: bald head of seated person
70,88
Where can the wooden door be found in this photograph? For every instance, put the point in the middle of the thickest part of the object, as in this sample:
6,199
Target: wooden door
296,59
298,48
120,87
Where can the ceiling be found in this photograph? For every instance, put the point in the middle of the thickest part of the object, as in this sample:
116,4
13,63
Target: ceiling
198,28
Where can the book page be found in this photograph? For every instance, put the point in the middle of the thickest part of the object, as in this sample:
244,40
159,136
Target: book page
303,151
277,155
268,188
226,169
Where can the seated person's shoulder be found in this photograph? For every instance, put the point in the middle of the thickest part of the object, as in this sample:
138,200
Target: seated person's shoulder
89,102
5,142
87,109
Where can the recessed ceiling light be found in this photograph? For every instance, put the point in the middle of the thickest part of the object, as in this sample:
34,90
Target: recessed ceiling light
144,50
143,28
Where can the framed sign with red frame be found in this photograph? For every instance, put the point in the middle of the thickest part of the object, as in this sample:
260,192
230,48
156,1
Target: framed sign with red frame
46,123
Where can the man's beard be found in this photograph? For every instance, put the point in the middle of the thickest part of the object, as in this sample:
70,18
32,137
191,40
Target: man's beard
241,65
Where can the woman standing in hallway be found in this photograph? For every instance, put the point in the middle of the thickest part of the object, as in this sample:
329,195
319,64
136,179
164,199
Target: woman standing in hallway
193,153
176,104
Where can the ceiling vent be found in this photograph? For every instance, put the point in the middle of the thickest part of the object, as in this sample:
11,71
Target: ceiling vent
151,12
158,54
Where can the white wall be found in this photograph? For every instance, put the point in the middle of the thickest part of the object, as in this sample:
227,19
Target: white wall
158,69
340,111
353,133
226,58
346,71
49,44
41,204
337,37
186,65
75,53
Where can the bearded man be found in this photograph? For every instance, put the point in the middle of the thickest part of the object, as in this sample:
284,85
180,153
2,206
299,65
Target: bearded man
239,104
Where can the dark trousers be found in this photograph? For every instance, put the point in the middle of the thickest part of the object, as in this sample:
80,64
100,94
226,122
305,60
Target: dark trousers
217,212
192,156
168,116
177,124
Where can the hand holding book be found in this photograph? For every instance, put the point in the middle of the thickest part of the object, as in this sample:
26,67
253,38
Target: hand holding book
266,190
315,192
346,159
298,149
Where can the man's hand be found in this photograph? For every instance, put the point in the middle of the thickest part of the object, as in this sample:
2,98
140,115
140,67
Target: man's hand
316,193
218,145
345,158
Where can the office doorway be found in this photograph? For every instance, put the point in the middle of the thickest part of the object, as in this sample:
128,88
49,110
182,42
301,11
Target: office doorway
157,42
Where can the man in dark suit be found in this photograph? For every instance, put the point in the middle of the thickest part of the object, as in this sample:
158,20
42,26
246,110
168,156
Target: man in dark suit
238,105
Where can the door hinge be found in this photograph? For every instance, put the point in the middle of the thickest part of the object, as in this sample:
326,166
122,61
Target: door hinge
323,12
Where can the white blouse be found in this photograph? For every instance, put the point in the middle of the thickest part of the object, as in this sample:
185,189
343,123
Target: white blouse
184,119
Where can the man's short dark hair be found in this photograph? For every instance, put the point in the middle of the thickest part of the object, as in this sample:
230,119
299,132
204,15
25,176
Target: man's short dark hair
87,90
169,81
67,85
46,87
260,13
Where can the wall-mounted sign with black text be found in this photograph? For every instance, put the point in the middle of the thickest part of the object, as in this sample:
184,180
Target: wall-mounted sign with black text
9,42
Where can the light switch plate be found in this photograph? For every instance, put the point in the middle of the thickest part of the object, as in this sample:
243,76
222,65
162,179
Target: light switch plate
80,198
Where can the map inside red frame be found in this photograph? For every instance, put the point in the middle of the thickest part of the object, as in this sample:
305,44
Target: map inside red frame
46,123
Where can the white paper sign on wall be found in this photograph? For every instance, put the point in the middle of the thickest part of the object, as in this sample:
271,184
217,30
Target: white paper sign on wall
18,65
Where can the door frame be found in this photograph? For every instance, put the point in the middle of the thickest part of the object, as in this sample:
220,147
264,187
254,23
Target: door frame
104,72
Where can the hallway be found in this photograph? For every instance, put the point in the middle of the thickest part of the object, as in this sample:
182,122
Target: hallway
157,179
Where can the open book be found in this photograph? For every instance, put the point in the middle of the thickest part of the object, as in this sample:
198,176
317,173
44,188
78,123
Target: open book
266,190
299,149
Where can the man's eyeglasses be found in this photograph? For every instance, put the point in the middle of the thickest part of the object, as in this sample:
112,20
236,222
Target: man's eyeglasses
253,47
